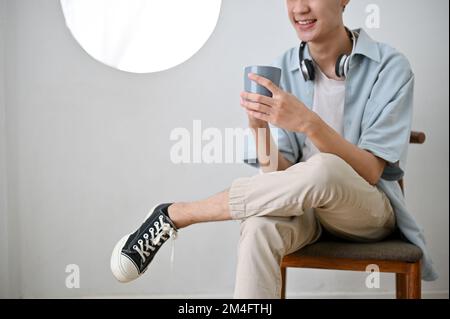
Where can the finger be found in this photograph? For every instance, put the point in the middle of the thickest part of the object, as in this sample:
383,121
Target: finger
258,98
262,108
258,115
259,107
264,82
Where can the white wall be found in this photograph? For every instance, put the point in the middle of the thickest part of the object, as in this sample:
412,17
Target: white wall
4,280
6,290
88,149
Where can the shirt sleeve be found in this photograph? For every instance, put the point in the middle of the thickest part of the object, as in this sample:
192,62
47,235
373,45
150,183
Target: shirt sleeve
387,130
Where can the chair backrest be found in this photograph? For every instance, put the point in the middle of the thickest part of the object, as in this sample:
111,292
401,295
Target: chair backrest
415,138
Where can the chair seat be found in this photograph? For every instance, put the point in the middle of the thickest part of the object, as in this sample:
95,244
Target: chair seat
393,250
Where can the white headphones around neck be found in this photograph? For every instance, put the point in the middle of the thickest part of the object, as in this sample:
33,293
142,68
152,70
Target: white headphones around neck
342,62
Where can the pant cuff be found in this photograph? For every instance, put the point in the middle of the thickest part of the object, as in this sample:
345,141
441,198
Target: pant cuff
237,194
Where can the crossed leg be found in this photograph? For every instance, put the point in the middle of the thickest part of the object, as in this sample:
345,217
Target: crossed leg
282,211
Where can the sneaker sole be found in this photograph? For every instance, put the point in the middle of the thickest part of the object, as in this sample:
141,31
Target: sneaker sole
116,258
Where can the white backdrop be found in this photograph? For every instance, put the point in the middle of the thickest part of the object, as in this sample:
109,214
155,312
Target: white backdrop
87,150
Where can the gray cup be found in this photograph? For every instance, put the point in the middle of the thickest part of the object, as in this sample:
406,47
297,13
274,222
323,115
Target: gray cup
269,72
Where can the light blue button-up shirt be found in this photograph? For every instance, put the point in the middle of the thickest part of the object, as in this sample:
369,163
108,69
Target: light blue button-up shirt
377,117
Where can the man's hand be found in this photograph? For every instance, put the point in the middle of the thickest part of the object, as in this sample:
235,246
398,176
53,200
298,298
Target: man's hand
254,122
282,109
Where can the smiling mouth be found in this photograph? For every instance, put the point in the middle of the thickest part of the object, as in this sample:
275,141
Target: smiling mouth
305,22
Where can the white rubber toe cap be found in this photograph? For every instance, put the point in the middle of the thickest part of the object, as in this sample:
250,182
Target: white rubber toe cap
123,269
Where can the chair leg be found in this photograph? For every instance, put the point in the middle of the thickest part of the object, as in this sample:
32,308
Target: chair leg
283,282
400,286
409,285
414,282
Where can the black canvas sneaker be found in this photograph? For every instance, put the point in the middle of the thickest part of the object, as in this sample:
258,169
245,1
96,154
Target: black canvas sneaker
134,252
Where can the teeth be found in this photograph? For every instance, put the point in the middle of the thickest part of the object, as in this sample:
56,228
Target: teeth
305,22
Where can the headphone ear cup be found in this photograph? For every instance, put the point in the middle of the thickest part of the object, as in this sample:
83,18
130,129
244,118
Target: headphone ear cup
346,66
340,63
309,66
305,71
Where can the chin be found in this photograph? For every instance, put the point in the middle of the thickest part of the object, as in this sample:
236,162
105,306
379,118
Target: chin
306,36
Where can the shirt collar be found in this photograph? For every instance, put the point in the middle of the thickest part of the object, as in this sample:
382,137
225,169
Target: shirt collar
365,46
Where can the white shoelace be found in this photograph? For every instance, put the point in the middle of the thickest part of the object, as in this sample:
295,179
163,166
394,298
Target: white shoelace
148,244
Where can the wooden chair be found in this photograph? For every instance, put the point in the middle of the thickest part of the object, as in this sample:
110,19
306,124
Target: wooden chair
392,255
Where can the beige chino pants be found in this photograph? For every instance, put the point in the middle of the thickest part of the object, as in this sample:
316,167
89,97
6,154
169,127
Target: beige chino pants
284,211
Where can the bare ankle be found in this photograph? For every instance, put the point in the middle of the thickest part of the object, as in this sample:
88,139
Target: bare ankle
179,216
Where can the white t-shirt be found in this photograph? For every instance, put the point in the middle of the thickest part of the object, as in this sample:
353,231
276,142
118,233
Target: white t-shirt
329,98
